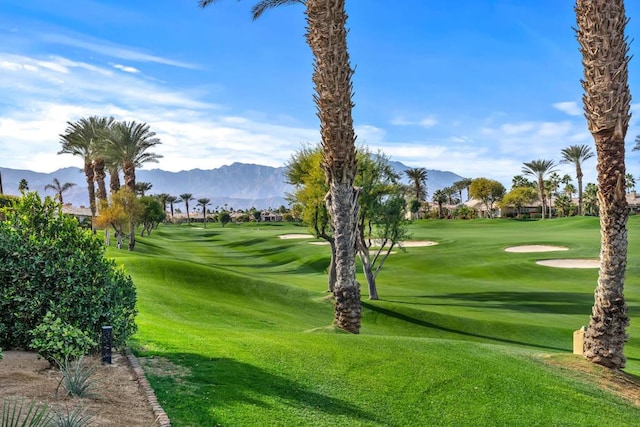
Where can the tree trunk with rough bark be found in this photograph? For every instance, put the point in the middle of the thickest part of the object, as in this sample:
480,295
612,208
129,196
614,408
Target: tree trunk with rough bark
129,171
114,181
99,176
601,27
579,177
88,171
327,38
332,266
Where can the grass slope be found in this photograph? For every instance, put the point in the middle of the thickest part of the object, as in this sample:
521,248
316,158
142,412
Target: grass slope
462,334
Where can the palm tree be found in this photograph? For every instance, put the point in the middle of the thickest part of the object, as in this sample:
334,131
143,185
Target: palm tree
59,188
440,197
163,199
84,138
629,182
77,140
204,202
607,100
186,198
23,185
538,169
569,190
171,200
577,154
143,187
418,178
98,129
463,184
327,37
127,146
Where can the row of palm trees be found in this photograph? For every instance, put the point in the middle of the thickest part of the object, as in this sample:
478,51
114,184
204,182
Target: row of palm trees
574,154
108,145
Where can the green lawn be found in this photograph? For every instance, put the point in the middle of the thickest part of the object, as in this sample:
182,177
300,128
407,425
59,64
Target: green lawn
462,334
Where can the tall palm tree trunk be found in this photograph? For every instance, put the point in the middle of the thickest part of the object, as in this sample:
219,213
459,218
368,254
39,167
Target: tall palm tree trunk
327,37
579,177
114,180
88,171
99,176
542,198
601,25
129,171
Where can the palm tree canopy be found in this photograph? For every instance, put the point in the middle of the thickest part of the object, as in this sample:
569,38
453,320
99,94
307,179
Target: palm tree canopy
81,137
186,197
418,177
538,168
204,202
259,8
576,154
129,142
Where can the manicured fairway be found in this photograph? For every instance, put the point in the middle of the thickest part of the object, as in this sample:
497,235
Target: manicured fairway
463,333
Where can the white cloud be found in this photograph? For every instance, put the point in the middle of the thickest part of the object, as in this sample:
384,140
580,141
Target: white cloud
426,122
126,68
111,49
570,107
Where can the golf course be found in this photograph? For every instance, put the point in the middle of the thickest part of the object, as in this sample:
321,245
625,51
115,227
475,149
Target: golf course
235,328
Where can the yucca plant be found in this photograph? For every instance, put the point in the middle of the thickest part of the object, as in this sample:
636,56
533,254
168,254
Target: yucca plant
77,377
16,414
76,418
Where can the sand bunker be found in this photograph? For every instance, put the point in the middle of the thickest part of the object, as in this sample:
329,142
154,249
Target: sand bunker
324,242
535,248
412,244
570,263
418,244
296,236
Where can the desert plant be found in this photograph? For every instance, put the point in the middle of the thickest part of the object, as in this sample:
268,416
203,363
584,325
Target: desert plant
58,341
77,377
15,414
78,417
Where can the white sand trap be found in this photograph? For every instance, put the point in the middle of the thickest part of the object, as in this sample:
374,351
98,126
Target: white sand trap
535,248
323,243
418,244
570,263
296,236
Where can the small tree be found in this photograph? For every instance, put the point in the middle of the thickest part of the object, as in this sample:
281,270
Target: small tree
519,197
224,217
489,191
151,214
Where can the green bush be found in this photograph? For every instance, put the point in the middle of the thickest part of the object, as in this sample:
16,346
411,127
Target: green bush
58,342
50,264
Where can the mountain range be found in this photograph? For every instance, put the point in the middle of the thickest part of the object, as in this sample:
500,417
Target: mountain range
239,185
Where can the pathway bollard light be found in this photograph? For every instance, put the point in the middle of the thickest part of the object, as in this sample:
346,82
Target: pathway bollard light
107,339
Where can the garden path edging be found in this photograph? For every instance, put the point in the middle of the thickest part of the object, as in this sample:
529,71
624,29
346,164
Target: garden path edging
161,416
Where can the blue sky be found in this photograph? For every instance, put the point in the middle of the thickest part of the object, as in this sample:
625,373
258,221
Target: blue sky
475,87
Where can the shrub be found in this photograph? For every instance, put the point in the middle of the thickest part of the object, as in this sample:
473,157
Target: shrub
50,264
57,342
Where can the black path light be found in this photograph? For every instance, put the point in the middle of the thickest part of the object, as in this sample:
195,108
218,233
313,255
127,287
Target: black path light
107,339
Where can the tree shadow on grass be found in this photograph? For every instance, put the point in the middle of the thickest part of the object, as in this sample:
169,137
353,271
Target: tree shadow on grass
224,391
461,332
532,302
